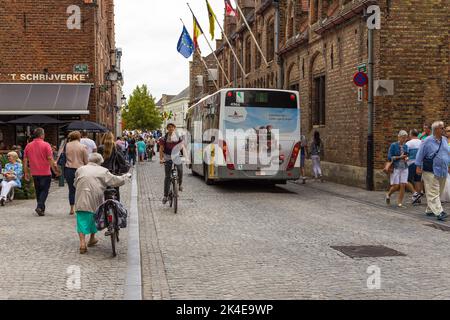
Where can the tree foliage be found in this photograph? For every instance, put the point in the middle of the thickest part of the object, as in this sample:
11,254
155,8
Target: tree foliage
142,113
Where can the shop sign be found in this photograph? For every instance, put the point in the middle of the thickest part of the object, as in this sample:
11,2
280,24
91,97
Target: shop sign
48,77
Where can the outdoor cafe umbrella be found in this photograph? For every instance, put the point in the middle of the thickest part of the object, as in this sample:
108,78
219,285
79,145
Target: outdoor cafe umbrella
88,126
36,119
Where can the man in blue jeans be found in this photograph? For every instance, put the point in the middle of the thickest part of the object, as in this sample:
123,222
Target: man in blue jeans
38,156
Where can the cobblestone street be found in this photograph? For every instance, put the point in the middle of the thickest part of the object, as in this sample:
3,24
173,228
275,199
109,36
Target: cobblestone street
37,253
240,241
229,241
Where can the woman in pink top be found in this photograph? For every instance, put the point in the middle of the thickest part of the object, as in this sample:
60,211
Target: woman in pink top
76,157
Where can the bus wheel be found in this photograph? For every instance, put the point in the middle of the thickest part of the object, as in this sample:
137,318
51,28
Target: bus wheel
206,175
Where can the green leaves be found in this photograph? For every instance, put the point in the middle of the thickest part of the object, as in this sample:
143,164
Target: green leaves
142,113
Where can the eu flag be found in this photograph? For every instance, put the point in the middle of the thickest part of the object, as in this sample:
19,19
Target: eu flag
185,44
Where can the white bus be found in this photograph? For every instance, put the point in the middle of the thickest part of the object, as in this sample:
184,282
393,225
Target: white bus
245,134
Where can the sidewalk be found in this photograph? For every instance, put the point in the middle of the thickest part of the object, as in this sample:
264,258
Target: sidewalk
376,198
40,255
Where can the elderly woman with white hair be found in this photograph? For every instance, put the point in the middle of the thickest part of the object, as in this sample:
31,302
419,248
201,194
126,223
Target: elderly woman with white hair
12,174
398,154
91,182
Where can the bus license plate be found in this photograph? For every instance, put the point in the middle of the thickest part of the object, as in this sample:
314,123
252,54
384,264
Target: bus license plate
261,173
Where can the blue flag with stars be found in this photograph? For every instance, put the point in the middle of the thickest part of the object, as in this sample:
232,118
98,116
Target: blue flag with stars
185,44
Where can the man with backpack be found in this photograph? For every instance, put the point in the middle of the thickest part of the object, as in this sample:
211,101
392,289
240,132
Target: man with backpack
131,151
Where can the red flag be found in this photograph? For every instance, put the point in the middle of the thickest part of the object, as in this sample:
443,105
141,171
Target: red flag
230,11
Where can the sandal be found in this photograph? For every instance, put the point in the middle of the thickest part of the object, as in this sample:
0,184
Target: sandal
93,243
83,250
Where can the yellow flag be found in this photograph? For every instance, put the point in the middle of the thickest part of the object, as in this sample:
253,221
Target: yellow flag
212,18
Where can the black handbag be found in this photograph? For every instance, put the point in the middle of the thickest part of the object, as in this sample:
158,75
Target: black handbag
62,158
119,165
428,162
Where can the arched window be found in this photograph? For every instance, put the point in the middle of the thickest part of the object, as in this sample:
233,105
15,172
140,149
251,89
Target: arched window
290,21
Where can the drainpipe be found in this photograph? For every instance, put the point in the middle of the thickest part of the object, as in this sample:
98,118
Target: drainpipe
280,77
370,137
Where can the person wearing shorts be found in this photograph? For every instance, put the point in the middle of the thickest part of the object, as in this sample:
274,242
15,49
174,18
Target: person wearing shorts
414,179
398,154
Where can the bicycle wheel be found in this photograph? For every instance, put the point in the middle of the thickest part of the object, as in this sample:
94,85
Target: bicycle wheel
113,231
113,242
170,198
175,195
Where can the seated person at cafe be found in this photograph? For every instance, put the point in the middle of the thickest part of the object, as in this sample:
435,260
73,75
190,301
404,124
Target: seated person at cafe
12,176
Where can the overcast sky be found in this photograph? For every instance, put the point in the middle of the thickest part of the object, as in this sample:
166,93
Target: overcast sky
148,32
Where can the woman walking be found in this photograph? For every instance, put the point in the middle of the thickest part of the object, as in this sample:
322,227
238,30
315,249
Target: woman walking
446,194
151,147
76,157
398,154
316,152
113,159
13,174
91,182
131,151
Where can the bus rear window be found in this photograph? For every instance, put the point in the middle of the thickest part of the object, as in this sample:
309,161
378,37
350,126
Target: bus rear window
260,98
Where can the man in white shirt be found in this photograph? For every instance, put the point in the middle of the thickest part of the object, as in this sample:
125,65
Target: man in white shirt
413,147
89,143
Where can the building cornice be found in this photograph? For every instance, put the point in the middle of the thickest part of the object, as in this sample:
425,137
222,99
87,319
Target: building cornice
347,13
294,42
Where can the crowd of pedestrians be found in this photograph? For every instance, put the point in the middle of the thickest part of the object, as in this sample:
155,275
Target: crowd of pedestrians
419,162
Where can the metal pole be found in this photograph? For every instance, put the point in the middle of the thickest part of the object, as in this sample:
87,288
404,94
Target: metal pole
252,35
206,67
232,50
370,136
277,45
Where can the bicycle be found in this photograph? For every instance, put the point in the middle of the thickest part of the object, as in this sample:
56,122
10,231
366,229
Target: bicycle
173,191
111,215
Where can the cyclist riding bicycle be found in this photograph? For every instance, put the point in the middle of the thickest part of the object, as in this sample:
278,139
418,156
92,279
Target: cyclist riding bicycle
170,146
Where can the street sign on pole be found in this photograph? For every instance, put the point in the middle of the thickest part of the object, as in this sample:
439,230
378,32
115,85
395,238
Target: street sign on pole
360,94
360,79
362,68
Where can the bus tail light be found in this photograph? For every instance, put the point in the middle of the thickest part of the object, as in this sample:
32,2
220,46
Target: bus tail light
225,151
294,156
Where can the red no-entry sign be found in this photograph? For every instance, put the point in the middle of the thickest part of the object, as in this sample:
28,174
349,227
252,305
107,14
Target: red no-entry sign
360,79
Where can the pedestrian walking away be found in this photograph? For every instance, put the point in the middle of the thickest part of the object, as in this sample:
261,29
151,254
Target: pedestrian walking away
113,159
89,143
142,148
432,162
76,157
91,182
316,153
131,151
38,156
413,178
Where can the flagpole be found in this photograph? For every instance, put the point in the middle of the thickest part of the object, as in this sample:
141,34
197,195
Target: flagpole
206,67
218,62
251,33
214,53
231,47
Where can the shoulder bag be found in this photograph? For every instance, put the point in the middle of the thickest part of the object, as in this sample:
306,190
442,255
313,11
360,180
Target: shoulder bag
428,162
62,157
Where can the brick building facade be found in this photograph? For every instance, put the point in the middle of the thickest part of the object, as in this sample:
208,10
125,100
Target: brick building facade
41,43
320,45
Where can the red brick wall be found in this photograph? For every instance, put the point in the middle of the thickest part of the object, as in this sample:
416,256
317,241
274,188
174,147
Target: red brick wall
34,36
